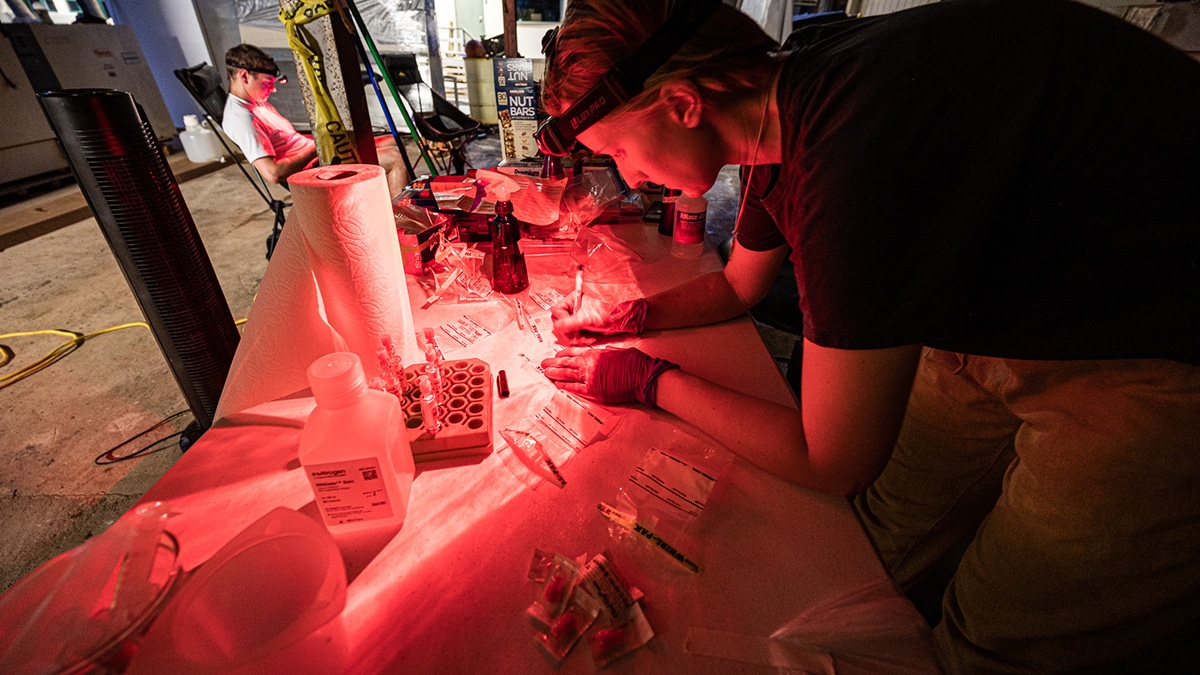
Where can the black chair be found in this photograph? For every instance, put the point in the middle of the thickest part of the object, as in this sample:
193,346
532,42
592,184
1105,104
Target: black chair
204,84
441,124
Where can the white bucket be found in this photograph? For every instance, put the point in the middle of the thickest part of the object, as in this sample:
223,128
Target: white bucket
481,90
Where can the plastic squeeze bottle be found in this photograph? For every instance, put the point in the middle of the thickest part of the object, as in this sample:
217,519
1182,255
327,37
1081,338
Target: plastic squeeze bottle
508,263
690,217
354,448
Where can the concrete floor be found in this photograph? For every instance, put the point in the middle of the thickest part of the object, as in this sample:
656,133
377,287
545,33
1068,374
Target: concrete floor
54,424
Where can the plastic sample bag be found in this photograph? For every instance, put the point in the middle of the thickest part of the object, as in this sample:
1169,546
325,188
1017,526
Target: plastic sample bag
85,610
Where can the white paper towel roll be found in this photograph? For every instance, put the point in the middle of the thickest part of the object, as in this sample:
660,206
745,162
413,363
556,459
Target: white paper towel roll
334,283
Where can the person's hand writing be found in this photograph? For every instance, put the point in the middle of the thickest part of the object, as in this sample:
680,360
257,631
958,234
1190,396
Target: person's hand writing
572,327
607,375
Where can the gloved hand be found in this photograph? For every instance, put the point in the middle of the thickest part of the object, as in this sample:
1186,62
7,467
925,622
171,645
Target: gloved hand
596,317
607,375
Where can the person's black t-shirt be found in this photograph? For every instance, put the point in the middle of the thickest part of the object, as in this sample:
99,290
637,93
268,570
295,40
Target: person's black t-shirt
1013,178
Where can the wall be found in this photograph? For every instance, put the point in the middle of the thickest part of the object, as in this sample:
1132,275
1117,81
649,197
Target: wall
170,37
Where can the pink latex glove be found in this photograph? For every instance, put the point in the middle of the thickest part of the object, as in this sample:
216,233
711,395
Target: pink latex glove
607,375
571,327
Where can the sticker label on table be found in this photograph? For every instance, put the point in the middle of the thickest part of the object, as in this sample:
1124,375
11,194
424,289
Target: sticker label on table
350,492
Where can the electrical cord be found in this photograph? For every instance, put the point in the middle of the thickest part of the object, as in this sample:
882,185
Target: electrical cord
59,352
75,342
110,456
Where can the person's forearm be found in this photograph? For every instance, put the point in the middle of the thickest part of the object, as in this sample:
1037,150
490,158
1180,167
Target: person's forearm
703,300
295,164
852,406
766,434
277,172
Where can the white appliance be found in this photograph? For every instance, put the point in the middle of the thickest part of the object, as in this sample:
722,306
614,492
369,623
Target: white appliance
90,56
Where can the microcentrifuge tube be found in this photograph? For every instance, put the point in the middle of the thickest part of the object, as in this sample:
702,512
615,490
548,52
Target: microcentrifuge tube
434,371
394,363
431,408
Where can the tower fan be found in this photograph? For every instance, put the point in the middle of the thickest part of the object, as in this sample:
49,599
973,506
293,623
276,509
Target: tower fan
122,172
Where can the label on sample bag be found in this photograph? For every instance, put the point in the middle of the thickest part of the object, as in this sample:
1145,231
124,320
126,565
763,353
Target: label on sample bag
572,420
676,484
465,331
541,324
627,521
601,580
350,492
546,297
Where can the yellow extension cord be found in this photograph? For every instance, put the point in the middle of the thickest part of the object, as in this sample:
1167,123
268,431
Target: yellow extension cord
75,342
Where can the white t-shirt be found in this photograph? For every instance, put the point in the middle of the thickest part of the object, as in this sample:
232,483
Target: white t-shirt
260,131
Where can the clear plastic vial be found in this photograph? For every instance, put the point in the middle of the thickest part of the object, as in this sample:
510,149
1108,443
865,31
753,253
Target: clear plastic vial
354,448
690,219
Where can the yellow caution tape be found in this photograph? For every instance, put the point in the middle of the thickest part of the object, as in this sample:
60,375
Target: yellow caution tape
333,139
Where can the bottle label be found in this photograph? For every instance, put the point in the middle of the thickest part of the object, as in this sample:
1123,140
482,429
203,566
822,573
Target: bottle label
351,491
689,227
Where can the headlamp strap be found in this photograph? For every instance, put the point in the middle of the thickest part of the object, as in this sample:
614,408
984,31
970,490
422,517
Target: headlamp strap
627,78
234,64
679,27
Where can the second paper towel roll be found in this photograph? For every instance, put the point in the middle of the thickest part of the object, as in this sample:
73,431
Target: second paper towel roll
335,282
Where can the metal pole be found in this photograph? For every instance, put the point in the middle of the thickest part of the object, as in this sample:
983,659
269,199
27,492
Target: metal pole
387,78
387,113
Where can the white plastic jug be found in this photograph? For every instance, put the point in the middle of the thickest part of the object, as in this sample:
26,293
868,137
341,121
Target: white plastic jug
199,142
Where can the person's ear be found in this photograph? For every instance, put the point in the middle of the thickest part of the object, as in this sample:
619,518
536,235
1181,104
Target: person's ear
683,101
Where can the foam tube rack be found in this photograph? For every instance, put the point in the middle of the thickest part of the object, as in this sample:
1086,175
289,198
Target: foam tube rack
466,411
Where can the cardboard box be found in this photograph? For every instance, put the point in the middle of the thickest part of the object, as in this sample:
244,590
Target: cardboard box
418,244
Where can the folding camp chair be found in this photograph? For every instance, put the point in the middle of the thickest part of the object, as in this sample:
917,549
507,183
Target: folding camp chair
442,125
203,82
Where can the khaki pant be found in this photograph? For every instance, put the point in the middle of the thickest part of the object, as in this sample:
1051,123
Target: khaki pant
1083,479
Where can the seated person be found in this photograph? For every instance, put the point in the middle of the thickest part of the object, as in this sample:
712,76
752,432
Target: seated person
267,138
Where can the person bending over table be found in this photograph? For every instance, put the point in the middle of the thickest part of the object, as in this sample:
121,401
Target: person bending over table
992,210
267,138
